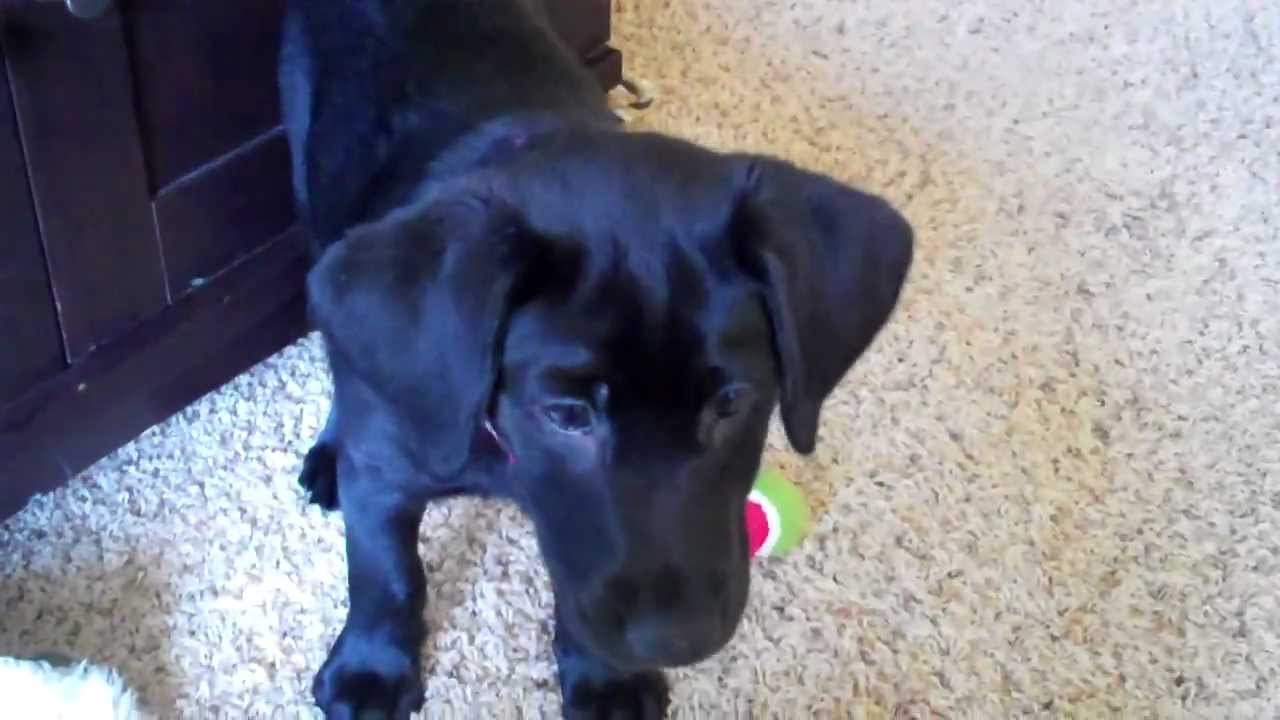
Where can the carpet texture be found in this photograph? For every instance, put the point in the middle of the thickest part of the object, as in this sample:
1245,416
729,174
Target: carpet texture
1051,489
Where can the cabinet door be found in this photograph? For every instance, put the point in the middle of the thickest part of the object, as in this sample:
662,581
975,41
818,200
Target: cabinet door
30,349
154,147
73,96
208,112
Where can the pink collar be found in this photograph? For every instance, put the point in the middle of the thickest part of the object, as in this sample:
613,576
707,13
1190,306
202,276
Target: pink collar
502,444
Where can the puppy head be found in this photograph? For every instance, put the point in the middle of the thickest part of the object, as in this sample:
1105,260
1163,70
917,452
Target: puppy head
626,310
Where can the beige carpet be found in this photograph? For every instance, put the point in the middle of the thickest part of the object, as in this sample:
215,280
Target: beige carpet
1053,488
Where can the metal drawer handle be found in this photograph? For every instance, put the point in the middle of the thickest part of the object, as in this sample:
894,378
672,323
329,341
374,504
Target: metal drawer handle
86,9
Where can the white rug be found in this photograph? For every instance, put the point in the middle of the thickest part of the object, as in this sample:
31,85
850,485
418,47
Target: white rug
1052,488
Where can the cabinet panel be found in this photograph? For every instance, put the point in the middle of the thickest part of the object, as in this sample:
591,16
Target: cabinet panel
74,102
208,109
211,220
205,77
30,348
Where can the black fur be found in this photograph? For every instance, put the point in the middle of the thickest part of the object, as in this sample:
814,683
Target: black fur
624,309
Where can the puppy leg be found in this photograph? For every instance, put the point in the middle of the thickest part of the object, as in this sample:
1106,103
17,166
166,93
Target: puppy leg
590,688
319,476
374,668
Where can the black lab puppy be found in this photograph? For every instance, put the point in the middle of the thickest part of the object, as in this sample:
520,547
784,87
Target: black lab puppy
521,300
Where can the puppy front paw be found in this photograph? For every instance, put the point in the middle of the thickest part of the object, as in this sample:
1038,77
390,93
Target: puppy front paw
368,681
642,696
319,476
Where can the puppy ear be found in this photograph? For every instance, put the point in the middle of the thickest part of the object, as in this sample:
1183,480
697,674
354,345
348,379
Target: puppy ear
832,261
412,305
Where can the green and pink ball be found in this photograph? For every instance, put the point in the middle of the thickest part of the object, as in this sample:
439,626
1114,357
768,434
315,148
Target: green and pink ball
777,515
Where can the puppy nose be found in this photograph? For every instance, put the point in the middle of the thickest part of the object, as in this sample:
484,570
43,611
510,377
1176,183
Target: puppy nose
672,642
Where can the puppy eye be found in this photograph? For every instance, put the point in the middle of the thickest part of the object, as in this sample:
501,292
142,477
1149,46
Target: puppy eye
732,400
570,416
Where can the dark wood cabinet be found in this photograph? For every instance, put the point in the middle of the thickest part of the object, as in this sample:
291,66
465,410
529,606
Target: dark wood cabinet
30,347
148,251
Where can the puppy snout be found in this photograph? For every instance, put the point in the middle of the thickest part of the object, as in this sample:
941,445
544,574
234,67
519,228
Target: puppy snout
681,619
672,642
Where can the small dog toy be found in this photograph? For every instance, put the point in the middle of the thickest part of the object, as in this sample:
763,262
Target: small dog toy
777,515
